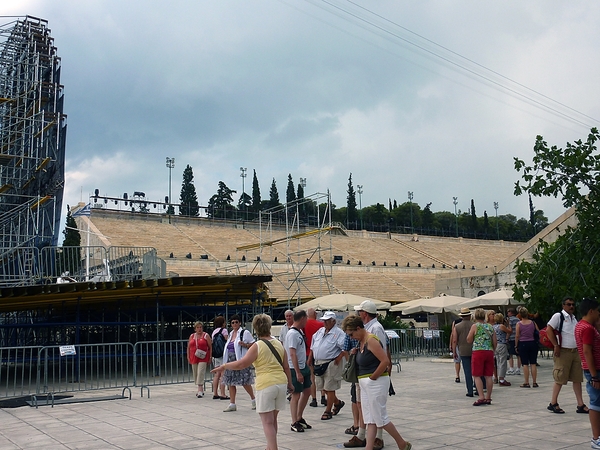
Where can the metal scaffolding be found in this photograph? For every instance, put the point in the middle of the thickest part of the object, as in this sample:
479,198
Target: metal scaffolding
32,144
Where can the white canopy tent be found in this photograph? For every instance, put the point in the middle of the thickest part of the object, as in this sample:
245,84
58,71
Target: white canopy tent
340,302
434,305
499,297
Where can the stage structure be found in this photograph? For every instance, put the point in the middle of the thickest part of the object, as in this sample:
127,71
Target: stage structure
292,236
32,147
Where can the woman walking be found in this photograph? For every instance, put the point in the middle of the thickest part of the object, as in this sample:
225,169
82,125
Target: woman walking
238,343
483,338
503,330
374,382
198,354
527,347
273,378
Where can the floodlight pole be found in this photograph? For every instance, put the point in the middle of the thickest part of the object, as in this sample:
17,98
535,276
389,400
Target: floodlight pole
170,166
359,189
243,174
410,199
497,229
455,201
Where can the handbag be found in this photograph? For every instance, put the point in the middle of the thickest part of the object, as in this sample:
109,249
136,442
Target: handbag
350,373
320,369
200,354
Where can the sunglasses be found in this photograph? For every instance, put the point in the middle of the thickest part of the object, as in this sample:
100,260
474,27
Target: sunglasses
569,304
235,321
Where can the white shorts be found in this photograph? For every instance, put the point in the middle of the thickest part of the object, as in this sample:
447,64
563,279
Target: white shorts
217,362
272,398
373,400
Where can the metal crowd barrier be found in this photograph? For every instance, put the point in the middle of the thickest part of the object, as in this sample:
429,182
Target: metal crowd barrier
18,370
416,342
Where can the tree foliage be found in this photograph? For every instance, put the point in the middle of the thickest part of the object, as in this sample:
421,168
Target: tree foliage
570,264
350,203
290,193
220,205
273,195
256,201
187,198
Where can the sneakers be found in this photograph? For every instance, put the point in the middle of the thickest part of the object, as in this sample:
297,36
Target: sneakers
304,424
230,408
355,442
504,383
254,404
596,443
199,394
510,372
378,444
518,372
313,403
297,427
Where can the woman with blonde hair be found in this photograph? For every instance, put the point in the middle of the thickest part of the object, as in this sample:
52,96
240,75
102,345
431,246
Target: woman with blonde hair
273,377
374,381
527,347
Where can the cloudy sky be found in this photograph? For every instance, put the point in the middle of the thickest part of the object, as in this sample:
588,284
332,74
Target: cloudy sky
430,97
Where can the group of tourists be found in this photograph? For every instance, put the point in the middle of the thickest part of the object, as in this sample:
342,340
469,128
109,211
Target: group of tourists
485,349
309,357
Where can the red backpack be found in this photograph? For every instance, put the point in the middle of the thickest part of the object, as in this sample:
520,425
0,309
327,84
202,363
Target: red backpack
544,339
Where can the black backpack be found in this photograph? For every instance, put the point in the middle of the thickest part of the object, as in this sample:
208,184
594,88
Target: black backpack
218,344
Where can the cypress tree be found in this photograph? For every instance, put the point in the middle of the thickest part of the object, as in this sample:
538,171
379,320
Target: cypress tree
188,198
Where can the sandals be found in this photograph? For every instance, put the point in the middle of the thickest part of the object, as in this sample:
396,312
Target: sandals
327,415
488,401
457,380
338,407
480,402
557,409
352,430
525,385
583,409
535,385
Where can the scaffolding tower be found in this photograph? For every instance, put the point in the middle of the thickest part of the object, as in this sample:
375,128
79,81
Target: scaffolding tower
295,248
32,146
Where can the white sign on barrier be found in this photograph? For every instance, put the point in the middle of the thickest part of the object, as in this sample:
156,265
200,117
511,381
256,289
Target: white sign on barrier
428,334
67,350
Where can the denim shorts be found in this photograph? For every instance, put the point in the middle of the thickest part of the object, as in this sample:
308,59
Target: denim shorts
593,393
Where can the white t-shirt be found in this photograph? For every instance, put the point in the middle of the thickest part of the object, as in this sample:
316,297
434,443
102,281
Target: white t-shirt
567,337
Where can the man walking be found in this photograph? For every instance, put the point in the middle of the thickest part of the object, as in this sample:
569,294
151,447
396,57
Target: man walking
567,362
296,348
312,325
327,353
459,341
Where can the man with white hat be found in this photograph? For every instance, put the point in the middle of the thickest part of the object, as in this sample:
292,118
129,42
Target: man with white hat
459,340
327,353
368,314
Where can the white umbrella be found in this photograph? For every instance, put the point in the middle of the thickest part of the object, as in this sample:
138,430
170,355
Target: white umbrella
404,305
499,297
340,302
434,305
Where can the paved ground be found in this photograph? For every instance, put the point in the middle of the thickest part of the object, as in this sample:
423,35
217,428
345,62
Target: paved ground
429,409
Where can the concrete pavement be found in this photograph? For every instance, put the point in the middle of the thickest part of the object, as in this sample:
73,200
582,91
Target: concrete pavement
429,409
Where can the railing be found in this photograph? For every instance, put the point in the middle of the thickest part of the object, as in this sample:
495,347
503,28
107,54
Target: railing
38,370
416,342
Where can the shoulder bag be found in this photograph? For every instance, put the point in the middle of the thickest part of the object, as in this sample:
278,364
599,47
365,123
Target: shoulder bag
350,373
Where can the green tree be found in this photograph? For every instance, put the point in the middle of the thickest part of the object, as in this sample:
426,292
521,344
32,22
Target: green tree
69,260
273,195
351,213
473,217
220,205
256,201
486,223
568,266
187,198
290,193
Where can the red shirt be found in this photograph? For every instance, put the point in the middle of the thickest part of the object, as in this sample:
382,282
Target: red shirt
586,333
311,327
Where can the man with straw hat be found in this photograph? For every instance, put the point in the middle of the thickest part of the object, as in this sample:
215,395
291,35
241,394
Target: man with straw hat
459,341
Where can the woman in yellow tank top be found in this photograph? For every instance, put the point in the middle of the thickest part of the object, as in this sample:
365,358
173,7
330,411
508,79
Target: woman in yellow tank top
273,377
